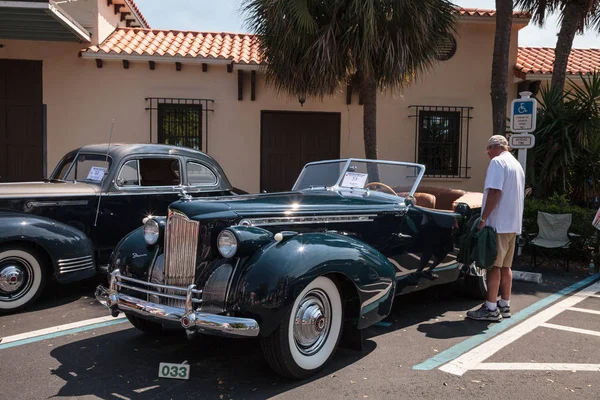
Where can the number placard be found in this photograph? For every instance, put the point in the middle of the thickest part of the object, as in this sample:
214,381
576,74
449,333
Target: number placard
174,371
355,180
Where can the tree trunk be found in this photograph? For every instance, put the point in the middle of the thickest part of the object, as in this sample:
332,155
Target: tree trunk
499,87
369,91
573,16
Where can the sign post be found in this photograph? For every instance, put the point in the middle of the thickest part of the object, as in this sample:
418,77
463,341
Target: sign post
523,119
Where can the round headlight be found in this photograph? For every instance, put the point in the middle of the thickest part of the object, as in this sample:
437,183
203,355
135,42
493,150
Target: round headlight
151,231
227,244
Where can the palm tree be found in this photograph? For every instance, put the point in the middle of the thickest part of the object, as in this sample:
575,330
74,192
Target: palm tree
499,87
313,47
576,16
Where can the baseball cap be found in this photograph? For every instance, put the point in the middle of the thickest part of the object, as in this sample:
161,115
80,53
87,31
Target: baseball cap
497,140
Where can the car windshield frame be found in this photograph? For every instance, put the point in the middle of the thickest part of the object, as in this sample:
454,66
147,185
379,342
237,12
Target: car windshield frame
348,161
103,157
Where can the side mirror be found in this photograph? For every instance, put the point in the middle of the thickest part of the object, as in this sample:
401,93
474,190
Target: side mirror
410,201
118,182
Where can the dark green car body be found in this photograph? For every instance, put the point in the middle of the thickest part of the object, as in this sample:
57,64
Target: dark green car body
373,243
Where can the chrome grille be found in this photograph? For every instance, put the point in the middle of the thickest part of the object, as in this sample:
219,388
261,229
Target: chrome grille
181,244
67,265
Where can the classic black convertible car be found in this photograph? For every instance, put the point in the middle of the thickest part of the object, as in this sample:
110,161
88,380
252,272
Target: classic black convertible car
301,270
68,224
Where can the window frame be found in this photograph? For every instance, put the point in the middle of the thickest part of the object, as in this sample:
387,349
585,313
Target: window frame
460,117
139,188
161,110
194,161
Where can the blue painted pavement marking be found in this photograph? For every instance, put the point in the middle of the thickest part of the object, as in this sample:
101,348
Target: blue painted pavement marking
466,345
62,333
384,324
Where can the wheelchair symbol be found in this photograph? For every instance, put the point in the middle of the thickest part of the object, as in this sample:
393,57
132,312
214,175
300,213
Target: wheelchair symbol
522,109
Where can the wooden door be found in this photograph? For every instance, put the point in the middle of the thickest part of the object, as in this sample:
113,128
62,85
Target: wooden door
21,121
289,140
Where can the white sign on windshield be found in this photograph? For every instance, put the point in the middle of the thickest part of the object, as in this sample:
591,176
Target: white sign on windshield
96,174
354,180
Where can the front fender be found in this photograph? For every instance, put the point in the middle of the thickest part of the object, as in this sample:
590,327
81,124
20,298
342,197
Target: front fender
133,256
272,278
60,241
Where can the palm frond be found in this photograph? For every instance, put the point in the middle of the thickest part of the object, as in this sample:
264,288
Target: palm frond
312,46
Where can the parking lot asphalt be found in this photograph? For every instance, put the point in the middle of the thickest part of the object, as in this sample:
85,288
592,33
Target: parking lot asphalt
403,358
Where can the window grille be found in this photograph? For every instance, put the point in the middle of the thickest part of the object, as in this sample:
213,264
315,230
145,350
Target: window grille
442,140
180,121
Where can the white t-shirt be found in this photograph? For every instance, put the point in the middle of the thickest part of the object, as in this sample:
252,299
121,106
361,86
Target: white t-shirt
506,174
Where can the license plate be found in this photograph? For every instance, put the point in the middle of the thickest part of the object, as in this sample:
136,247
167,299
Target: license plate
174,371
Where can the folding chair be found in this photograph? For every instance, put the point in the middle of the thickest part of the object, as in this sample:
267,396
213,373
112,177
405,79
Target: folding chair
553,233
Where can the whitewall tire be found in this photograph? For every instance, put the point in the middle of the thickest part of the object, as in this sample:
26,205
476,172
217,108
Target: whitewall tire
22,278
309,333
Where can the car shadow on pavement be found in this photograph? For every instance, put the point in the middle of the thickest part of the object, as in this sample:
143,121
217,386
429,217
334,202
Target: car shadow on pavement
55,295
125,364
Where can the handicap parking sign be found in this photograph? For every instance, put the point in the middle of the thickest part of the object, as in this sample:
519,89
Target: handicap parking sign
523,114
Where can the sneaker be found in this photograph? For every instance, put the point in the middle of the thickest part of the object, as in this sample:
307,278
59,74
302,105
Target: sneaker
485,314
504,311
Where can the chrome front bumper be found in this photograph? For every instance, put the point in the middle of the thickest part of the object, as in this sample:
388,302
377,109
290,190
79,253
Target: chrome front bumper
192,321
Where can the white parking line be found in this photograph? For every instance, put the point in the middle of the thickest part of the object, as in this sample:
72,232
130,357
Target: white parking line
537,367
584,310
570,329
475,357
57,329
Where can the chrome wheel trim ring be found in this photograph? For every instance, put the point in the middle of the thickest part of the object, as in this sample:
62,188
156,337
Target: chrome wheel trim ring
312,322
16,278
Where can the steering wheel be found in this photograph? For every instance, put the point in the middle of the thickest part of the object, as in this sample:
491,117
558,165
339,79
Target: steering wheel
378,186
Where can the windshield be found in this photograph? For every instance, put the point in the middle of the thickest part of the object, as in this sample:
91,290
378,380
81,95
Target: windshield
391,177
83,168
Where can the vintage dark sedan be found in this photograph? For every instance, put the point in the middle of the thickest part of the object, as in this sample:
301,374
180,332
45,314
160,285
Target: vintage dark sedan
301,270
67,226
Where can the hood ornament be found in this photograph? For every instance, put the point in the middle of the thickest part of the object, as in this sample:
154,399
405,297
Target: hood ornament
183,195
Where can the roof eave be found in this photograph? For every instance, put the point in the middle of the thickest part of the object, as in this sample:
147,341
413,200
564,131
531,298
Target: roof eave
156,58
538,76
53,11
524,21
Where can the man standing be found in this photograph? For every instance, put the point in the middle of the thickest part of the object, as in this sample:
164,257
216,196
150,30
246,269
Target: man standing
503,200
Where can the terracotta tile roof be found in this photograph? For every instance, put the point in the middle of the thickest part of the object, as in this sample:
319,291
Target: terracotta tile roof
239,48
540,60
137,11
479,12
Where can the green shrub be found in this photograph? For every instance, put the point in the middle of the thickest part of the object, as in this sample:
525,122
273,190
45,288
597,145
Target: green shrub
583,248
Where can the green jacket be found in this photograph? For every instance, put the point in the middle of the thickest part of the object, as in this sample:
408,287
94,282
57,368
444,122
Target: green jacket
478,246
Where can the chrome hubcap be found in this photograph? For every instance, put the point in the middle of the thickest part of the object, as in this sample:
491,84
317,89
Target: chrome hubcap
312,322
15,279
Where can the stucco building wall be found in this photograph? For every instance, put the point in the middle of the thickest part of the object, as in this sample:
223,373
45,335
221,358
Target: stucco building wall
82,100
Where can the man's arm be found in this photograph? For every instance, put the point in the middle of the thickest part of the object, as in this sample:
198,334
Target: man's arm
493,197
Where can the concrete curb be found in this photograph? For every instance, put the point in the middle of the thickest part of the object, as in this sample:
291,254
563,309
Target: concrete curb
524,276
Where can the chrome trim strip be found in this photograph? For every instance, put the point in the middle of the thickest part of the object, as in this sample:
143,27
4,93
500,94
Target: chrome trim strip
61,271
74,259
78,265
73,263
154,285
169,296
32,204
321,219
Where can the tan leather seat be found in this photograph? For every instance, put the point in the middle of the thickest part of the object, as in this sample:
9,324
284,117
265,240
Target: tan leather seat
444,198
423,199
